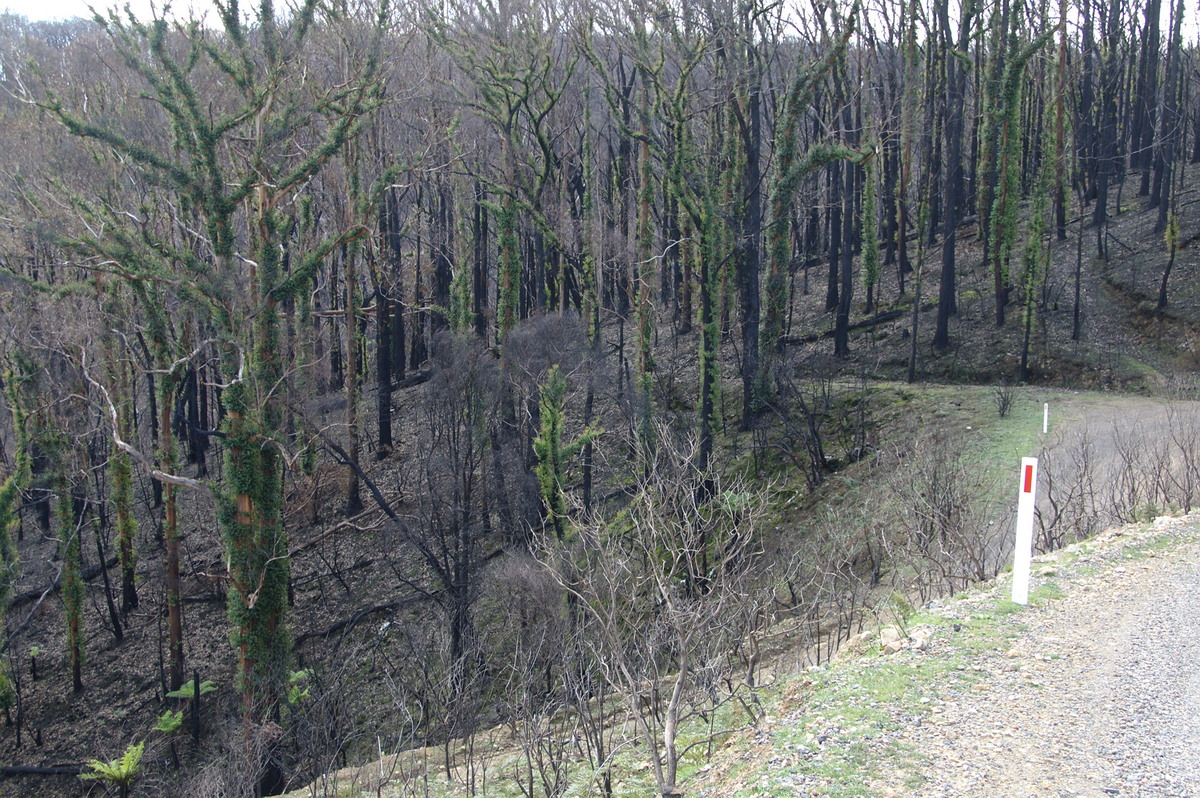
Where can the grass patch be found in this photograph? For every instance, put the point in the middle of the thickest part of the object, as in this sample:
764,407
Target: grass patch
1008,607
1131,368
1045,593
1151,547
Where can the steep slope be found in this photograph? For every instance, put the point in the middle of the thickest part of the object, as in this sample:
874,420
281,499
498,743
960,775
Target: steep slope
343,576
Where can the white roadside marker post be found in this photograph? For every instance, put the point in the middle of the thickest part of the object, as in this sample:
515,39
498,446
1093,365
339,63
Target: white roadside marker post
1045,418
1023,553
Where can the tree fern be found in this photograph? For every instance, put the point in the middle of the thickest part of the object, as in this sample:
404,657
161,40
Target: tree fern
121,772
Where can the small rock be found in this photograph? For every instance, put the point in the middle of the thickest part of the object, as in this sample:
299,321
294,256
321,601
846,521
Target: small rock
891,640
920,639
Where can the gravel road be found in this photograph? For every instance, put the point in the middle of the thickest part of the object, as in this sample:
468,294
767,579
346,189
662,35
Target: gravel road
1099,693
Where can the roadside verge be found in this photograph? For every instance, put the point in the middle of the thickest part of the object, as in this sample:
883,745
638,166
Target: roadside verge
1085,692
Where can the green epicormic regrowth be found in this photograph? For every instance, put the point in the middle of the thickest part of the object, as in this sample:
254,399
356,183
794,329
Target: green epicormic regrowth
508,302
256,547
1035,260
793,166
552,452
252,500
870,232
231,159
10,502
121,474
10,491
1003,222
73,590
462,310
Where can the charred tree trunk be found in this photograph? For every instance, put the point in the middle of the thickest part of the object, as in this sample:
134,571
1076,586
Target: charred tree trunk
383,369
952,186
1170,123
479,234
835,234
443,257
750,125
1141,138
841,335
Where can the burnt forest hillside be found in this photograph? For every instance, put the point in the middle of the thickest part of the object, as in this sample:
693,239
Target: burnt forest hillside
515,383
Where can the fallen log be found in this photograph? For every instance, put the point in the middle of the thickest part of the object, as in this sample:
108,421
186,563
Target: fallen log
30,770
879,318
33,595
352,621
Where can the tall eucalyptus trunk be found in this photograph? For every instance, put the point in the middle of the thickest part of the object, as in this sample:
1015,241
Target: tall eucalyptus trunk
956,81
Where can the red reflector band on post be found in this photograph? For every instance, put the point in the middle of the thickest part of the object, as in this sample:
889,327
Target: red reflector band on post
1023,540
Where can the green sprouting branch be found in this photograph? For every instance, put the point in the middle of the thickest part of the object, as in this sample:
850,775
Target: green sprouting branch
1003,220
312,261
552,451
10,491
136,152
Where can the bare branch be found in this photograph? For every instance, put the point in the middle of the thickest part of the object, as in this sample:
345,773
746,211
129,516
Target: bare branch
130,449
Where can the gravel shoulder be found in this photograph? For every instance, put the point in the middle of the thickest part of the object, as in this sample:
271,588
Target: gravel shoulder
1098,693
